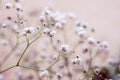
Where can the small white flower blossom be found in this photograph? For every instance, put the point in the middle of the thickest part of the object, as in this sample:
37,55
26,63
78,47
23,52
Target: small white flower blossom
8,5
97,71
90,78
18,6
43,54
4,42
1,77
71,15
104,44
64,49
78,29
52,33
58,25
15,27
104,47
59,76
29,30
42,18
44,73
54,57
46,31
82,34
20,15
91,41
77,61
4,25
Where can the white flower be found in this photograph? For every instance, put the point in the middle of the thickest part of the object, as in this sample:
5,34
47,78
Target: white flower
97,71
91,41
15,27
52,33
29,30
8,5
4,42
42,18
82,34
46,31
1,77
104,44
44,73
59,76
20,15
78,29
90,78
4,25
77,61
43,54
18,6
71,15
104,47
58,25
54,57
64,49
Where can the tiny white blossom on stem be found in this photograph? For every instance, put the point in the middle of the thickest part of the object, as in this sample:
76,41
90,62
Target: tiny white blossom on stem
44,73
8,5
52,33
29,30
64,49
91,41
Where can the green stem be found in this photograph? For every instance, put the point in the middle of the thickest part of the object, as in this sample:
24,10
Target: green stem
8,69
30,68
22,55
54,62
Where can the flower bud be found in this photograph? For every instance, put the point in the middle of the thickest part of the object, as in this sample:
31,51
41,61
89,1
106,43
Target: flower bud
44,73
8,5
91,41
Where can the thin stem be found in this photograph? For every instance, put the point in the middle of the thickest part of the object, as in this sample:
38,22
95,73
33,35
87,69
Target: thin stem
54,62
35,39
90,61
28,44
22,54
53,46
8,69
30,68
9,54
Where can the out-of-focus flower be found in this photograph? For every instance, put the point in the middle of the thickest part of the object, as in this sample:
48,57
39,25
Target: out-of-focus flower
58,25
64,49
82,34
71,16
18,6
29,30
59,76
91,41
90,78
104,47
52,33
46,31
1,77
45,73
104,44
42,18
8,5
4,42
77,61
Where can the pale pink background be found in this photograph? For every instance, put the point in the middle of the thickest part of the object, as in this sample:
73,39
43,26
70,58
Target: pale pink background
103,15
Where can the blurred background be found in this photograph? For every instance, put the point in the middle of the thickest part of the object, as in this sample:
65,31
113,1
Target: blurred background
102,15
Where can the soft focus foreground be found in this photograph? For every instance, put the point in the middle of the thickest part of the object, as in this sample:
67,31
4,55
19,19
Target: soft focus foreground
59,40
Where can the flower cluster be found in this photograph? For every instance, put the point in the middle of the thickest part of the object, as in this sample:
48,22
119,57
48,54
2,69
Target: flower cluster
53,57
